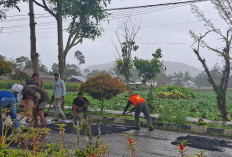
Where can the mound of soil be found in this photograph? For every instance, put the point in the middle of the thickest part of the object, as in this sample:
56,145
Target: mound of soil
204,143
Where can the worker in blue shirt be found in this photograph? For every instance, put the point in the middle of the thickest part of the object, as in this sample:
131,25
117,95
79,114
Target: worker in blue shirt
8,101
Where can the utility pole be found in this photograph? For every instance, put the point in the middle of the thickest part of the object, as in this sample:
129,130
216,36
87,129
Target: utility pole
34,54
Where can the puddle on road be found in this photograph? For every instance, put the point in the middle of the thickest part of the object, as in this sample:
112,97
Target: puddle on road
205,143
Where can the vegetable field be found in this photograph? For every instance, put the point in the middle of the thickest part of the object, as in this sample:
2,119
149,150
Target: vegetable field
204,104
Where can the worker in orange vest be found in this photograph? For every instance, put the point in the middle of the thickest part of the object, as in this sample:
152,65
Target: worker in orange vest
140,105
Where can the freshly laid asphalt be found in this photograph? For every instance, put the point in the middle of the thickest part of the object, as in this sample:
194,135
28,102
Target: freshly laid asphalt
154,143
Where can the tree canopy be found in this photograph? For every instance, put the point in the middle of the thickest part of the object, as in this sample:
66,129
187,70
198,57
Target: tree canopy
149,69
5,5
85,16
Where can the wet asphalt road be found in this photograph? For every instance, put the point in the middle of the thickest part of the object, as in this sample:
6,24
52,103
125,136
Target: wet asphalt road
156,143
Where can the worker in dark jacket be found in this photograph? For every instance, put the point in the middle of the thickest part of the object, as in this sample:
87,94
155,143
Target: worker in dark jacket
80,104
140,105
40,99
28,104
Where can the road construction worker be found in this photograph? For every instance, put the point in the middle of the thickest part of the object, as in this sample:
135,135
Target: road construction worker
140,105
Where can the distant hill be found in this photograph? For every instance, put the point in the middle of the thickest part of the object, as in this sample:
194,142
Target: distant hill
100,67
180,67
171,67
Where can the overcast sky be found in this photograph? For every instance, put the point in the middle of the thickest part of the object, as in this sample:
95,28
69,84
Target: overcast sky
165,28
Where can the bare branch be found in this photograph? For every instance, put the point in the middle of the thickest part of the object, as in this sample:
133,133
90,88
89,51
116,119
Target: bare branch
44,5
196,51
117,50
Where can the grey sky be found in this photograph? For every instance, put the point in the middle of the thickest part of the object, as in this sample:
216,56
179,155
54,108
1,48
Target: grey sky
167,29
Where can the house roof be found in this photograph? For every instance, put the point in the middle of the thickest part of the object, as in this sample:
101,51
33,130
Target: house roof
41,74
80,78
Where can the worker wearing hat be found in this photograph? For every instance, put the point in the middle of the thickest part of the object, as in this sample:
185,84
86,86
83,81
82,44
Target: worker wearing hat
58,96
140,105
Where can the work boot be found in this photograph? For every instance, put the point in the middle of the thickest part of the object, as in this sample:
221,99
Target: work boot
151,128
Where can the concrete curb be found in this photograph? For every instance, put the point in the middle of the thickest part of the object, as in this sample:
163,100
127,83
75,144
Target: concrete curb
167,126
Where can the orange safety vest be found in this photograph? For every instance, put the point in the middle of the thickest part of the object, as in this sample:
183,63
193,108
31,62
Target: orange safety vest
136,99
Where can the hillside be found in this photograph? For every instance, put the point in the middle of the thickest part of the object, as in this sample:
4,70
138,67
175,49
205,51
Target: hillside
180,67
171,67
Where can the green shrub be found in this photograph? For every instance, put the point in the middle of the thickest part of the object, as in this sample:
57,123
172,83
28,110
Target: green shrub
150,99
173,91
172,115
70,87
20,75
8,84
5,67
103,87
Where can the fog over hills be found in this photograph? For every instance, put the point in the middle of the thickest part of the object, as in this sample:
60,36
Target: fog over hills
171,67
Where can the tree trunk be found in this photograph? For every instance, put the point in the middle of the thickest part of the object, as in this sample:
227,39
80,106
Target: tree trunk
34,54
127,83
221,101
102,105
61,57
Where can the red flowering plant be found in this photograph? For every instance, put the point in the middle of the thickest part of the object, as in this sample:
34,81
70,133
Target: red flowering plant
182,146
182,149
131,144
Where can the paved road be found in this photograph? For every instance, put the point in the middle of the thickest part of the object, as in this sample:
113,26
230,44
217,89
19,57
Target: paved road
156,143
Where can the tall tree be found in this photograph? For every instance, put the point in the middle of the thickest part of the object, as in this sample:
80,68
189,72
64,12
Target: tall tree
225,39
34,54
149,69
85,15
126,35
70,69
80,58
22,62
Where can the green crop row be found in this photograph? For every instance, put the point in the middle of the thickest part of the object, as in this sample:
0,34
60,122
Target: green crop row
204,105
70,87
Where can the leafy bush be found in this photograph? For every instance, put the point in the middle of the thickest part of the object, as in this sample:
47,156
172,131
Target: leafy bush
19,75
173,91
172,115
70,87
150,99
103,87
5,67
8,84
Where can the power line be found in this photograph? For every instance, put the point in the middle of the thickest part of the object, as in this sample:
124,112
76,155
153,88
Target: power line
27,30
53,23
155,5
26,15
169,43
131,8
143,12
138,10
40,17
163,43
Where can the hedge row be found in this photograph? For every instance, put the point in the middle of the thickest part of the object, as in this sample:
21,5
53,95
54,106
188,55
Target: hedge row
70,87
